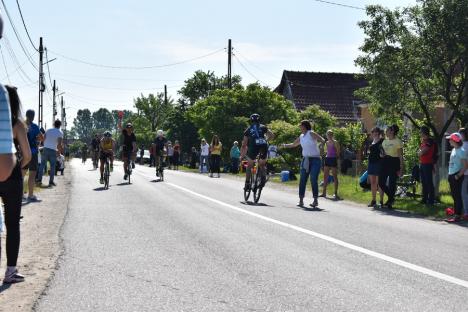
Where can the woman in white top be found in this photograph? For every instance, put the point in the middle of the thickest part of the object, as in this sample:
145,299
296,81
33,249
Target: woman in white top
464,191
204,154
311,161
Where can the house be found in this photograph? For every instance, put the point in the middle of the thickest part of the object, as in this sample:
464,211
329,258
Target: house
333,92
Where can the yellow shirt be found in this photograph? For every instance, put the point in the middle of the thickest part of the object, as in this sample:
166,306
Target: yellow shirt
107,144
391,147
216,149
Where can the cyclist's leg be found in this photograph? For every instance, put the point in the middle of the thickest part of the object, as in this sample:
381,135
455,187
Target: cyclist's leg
125,162
111,158
101,167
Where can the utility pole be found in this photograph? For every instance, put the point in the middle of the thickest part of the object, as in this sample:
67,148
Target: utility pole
165,95
62,111
54,104
41,83
229,75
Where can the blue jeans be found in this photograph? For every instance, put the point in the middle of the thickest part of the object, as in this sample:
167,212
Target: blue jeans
48,155
427,183
204,161
314,170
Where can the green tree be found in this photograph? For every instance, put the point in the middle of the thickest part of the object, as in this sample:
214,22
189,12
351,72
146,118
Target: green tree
181,128
153,109
103,120
202,84
83,125
321,120
285,133
416,58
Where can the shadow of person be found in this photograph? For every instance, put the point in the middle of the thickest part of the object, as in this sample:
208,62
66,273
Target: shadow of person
4,287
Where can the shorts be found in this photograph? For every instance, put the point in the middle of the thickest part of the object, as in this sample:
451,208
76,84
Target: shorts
125,154
34,163
104,155
331,162
374,168
260,150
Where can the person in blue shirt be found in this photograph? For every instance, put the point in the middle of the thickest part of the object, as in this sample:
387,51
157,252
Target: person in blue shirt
34,137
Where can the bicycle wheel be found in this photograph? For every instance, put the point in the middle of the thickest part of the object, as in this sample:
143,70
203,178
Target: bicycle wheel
249,190
257,188
106,175
161,174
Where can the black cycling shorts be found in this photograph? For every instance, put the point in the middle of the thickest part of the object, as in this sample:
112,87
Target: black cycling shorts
260,150
104,155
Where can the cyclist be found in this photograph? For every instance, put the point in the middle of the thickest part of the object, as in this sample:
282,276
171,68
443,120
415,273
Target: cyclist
107,146
159,144
84,153
255,144
95,147
129,147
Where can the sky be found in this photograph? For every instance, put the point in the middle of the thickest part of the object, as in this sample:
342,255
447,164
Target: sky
267,37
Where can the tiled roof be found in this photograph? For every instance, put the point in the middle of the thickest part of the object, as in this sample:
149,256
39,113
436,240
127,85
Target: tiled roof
333,92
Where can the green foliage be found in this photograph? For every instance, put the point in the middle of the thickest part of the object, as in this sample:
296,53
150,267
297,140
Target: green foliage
103,120
202,84
321,120
153,109
83,125
410,150
414,59
226,112
75,147
181,128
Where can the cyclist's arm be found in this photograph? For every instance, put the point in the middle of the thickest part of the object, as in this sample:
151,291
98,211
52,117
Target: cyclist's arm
245,141
296,143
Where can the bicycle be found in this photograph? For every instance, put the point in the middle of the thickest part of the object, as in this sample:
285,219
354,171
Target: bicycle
160,169
255,184
106,173
129,166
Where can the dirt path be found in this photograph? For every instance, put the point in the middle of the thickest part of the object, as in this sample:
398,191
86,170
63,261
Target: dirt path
40,246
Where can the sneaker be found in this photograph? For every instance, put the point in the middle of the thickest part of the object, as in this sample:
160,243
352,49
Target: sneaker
336,197
13,277
101,180
323,195
372,204
314,203
52,184
300,203
125,177
133,165
32,198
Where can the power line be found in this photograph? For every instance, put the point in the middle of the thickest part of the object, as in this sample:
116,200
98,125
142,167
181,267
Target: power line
15,59
136,67
341,5
115,78
4,64
25,28
28,56
48,68
254,65
248,71
118,89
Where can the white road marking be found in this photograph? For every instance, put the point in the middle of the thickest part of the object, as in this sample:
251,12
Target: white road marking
335,241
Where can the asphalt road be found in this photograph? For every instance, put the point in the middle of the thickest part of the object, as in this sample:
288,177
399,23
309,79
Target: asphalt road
190,244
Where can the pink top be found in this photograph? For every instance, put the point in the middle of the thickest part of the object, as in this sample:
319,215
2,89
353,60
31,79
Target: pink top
331,150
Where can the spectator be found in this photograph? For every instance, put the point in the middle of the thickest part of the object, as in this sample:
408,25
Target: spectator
458,164
311,161
464,192
331,163
34,137
142,153
84,153
204,154
12,189
151,151
426,166
52,143
235,157
170,154
392,164
193,158
348,157
176,155
215,149
374,166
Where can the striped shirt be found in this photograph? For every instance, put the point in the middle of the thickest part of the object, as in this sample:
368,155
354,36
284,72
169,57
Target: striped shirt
6,132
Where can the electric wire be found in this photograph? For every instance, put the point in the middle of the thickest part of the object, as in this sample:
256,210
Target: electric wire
248,71
12,54
137,67
341,5
4,64
24,24
118,89
28,56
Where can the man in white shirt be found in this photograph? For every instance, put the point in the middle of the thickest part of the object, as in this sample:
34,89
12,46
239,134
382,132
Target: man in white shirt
52,143
7,156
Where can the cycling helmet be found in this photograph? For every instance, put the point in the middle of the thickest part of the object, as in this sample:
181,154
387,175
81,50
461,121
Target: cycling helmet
129,125
255,118
160,133
107,134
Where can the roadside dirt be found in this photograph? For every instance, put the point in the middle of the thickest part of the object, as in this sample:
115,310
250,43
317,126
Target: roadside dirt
40,246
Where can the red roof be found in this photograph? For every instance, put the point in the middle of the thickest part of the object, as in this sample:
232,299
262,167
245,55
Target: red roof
333,92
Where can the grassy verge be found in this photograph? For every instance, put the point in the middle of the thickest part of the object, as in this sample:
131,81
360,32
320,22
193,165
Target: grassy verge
350,190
